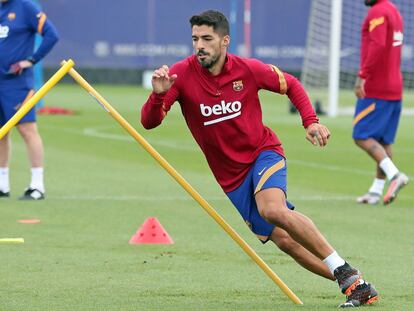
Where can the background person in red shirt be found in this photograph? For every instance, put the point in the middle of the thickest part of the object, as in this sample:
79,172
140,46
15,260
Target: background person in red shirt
379,89
218,94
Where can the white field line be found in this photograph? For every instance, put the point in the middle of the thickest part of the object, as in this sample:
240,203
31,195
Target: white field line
94,132
329,167
335,168
127,198
187,198
97,132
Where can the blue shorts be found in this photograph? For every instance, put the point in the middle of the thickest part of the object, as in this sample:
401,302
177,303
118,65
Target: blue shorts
377,119
11,101
268,171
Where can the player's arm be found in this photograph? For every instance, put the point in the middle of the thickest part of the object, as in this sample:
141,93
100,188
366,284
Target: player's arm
316,133
377,44
271,78
49,37
162,97
39,22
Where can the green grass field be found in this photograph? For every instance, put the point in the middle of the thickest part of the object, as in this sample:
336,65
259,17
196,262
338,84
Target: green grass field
101,186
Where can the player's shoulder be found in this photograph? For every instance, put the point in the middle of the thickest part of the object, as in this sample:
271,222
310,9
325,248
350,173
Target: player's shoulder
251,63
381,9
244,60
29,5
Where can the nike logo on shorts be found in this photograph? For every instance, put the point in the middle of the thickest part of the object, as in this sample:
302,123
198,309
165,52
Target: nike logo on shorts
261,172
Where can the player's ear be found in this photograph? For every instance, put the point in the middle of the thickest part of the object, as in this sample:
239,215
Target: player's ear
226,40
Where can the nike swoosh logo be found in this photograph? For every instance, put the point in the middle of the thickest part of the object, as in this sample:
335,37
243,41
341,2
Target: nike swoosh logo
261,172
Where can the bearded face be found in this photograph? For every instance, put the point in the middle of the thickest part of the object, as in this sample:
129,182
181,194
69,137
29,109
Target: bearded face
208,45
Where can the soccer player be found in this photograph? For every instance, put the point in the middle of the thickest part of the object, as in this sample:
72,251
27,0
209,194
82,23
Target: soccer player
379,87
20,20
218,94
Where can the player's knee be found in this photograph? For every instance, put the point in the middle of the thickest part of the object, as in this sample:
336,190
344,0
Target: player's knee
28,131
26,135
5,138
274,214
360,143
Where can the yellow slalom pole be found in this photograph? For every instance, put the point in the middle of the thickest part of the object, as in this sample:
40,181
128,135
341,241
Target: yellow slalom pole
36,97
210,210
11,241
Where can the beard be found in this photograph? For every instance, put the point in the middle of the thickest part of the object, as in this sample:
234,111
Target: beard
207,62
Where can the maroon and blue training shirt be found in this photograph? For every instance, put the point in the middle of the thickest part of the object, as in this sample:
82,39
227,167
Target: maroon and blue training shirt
223,112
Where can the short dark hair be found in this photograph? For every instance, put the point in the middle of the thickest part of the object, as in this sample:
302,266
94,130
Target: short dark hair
212,18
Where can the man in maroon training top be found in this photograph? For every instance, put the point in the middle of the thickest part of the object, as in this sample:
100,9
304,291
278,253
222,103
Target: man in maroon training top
379,89
218,94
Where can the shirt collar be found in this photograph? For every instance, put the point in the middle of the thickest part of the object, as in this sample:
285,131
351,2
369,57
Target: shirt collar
228,64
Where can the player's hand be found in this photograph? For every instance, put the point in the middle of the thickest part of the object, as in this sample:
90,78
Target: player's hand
17,68
359,87
318,134
161,80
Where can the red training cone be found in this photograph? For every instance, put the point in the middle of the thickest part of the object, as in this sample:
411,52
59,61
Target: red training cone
151,232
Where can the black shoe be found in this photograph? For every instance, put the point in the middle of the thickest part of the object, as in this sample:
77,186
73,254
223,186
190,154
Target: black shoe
347,277
363,294
32,194
4,194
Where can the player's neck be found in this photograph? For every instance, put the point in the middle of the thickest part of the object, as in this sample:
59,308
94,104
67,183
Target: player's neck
218,67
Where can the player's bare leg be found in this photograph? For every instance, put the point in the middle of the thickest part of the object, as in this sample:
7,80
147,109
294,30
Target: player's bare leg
272,207
388,150
5,150
271,204
377,152
34,145
380,172
374,149
300,254
381,154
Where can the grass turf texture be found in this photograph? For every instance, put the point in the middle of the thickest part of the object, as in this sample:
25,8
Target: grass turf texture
101,186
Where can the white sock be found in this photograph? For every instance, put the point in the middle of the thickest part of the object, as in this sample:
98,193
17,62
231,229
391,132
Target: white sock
4,179
388,168
377,186
333,261
37,179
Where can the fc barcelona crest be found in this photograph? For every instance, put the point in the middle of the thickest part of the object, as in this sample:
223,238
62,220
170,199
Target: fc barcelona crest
238,85
11,16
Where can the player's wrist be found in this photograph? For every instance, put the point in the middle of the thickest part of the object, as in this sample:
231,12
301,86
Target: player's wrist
309,124
361,75
31,59
158,98
310,121
159,93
